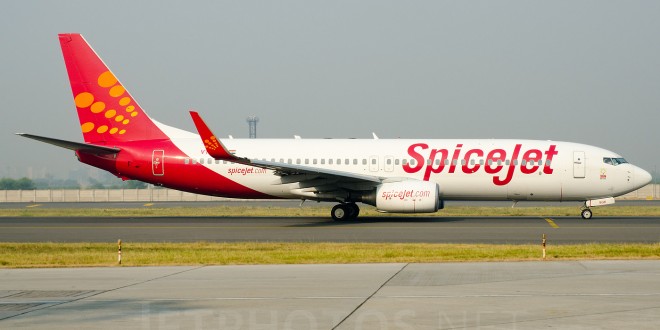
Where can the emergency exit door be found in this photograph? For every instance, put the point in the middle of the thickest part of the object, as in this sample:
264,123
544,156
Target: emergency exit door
579,166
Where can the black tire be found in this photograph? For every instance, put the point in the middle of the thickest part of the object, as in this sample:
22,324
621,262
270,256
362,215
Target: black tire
586,214
353,210
340,212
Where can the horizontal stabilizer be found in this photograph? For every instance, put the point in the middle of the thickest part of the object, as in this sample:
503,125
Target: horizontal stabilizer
77,146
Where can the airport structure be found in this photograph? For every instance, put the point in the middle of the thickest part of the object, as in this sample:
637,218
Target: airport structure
252,121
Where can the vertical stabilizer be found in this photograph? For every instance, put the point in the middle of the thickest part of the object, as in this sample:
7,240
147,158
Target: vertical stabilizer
108,113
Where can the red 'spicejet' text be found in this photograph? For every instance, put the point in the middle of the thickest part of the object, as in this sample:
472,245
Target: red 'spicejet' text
526,161
402,194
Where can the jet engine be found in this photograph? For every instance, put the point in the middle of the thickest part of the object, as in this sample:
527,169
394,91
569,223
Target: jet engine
410,196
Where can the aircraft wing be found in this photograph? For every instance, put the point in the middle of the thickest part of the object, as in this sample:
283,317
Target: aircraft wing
71,145
311,181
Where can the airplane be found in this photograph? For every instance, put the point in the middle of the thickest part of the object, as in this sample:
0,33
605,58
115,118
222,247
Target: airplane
394,175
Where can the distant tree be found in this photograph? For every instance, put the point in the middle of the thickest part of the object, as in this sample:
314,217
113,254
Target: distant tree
20,184
25,184
94,184
134,184
7,184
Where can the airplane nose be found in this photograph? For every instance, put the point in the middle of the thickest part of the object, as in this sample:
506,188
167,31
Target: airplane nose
642,178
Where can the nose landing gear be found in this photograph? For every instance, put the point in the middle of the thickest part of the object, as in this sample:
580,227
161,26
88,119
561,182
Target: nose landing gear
345,211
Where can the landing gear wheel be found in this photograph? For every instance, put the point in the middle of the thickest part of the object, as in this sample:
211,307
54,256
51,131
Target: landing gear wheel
340,212
354,210
586,214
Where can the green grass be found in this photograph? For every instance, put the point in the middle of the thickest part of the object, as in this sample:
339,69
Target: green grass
25,255
306,211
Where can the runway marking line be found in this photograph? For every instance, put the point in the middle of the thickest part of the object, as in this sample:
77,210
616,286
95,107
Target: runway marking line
34,205
551,223
148,204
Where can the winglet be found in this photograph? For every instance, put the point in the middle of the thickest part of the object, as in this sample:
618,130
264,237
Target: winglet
213,146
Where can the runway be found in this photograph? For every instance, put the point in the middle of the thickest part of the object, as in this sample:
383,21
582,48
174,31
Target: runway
437,229
506,295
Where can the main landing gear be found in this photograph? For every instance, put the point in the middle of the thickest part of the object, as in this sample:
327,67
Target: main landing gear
345,211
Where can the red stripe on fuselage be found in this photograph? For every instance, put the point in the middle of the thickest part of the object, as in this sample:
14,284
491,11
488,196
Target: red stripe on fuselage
134,161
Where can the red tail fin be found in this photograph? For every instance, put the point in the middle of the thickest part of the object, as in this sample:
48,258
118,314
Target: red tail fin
107,111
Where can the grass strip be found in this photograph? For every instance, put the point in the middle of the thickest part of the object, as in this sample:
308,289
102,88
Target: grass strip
315,211
32,255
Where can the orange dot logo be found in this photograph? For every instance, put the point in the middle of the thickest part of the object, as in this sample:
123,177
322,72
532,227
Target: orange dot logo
87,127
107,79
124,101
114,130
117,91
122,131
130,108
102,129
98,107
119,118
133,114
125,122
83,100
110,113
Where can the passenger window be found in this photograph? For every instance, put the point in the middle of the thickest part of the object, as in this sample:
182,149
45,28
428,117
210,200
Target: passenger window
364,161
355,161
413,162
330,161
507,162
201,161
471,161
210,161
306,161
338,161
193,160
499,162
322,161
437,162
490,162
481,162
446,162
314,161
298,161
396,161
531,162
289,161
272,160
217,161
347,161
281,160
404,162
389,162
373,161
462,161
186,161
453,161
547,162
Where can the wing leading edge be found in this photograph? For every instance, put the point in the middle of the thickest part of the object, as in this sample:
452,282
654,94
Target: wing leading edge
312,181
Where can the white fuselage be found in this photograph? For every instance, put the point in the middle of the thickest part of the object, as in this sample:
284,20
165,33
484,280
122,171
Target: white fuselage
465,169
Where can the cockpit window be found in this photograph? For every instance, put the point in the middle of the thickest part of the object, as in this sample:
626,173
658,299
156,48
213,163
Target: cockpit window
617,161
614,161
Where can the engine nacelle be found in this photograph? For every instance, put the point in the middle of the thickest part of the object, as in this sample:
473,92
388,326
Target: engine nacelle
410,196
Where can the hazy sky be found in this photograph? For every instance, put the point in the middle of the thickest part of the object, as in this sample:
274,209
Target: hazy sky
582,71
